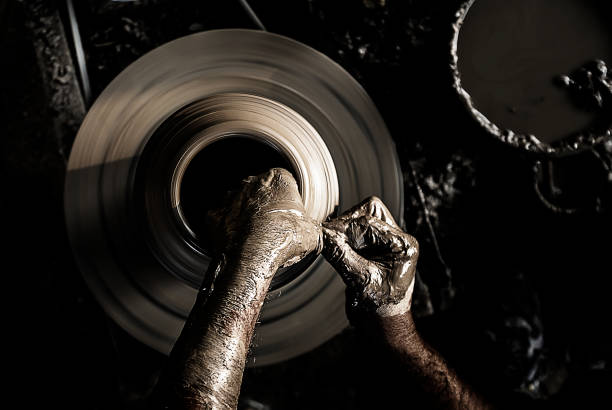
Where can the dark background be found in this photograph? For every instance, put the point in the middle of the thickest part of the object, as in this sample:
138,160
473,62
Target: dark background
514,294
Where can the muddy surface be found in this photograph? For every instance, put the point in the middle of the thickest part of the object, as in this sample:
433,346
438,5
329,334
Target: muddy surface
590,86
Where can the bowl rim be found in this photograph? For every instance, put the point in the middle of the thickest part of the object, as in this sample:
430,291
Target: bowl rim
574,143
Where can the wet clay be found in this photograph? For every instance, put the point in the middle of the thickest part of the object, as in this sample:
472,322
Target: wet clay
375,258
261,228
510,53
377,261
266,213
590,86
219,168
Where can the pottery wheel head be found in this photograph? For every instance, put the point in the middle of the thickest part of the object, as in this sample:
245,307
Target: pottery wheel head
254,92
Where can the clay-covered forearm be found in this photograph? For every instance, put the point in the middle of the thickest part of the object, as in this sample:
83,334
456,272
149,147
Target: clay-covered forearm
425,366
206,365
262,227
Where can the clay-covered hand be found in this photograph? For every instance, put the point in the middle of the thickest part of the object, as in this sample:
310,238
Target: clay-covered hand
262,227
265,223
376,259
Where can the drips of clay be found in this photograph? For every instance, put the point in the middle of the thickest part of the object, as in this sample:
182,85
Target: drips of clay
510,54
590,85
376,259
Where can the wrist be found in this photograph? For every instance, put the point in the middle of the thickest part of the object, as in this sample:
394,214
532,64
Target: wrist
397,309
398,331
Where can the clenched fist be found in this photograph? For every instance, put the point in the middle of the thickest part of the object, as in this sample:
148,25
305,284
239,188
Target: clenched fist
376,259
265,221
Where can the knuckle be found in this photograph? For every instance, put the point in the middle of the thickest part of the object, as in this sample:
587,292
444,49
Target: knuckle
282,172
374,200
411,245
372,205
367,220
282,177
267,178
415,245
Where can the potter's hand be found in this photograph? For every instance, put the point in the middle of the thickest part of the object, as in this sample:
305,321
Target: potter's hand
265,223
377,261
375,258
262,228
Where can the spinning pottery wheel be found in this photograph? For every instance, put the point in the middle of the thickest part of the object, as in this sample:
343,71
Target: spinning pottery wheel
267,98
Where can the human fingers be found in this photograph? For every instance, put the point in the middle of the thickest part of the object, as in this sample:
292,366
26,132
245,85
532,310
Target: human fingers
370,234
355,270
371,206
